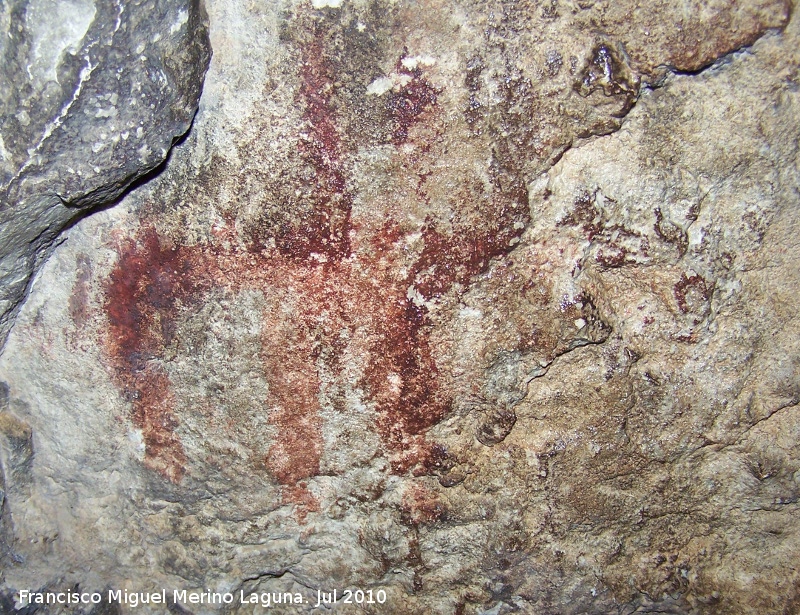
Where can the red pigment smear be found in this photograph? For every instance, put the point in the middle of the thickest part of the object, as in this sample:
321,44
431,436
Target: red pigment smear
403,382
143,293
294,382
319,307
326,231
420,506
407,105
302,498
290,351
687,285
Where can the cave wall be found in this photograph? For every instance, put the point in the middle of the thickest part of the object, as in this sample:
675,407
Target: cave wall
486,305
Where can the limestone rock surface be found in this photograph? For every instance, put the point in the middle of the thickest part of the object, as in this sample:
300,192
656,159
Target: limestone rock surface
92,95
488,306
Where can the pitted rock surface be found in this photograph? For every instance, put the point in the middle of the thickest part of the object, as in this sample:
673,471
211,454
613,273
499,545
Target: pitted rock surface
488,306
92,95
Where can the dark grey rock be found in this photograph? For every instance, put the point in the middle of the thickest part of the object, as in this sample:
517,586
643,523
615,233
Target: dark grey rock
93,93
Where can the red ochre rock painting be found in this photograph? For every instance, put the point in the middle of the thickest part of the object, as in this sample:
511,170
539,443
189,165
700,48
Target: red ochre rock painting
348,288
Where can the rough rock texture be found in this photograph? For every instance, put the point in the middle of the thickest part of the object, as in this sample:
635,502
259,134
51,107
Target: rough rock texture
489,306
92,95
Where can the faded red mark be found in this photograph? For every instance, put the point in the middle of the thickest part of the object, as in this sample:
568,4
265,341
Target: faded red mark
323,299
421,506
613,239
585,215
692,293
78,305
326,229
79,299
404,383
290,362
302,498
144,291
406,105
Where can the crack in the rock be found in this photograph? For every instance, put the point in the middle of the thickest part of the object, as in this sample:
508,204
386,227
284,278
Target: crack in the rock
546,368
792,404
718,447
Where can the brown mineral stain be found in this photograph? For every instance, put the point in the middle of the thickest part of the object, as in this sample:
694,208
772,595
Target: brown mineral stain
699,41
607,72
